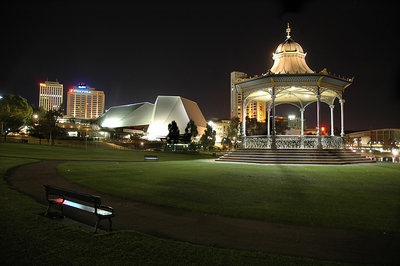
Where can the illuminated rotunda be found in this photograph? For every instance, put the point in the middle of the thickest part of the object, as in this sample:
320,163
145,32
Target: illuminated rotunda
291,81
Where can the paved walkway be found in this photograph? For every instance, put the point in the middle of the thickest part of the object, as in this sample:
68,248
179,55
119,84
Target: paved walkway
304,241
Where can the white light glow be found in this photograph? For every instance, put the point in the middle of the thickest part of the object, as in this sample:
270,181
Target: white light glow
213,126
157,130
111,123
73,133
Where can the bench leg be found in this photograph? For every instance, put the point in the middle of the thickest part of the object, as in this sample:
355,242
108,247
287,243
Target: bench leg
109,224
47,210
96,225
62,211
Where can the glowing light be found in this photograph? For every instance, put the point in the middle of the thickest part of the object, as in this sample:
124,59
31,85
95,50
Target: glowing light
111,123
395,152
43,84
306,96
82,91
292,117
323,130
157,130
73,133
213,126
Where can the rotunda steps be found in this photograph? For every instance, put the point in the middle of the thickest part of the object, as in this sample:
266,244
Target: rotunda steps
294,156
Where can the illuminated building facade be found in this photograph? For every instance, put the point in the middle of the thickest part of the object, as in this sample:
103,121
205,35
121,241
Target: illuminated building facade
255,110
50,95
291,81
221,128
375,138
85,102
151,120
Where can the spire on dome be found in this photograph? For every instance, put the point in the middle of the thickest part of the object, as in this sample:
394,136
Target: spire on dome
288,31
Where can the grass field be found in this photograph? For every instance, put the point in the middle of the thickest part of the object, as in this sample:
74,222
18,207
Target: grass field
365,197
28,238
68,153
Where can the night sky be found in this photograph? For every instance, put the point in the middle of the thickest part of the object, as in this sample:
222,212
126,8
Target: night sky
135,53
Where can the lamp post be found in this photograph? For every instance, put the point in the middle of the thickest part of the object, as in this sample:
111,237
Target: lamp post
36,123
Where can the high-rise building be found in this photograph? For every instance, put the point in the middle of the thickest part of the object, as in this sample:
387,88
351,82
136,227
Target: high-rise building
50,95
85,102
254,109
236,98
257,110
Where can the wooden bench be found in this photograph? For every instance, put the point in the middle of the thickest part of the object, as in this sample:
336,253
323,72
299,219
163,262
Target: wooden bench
150,157
85,202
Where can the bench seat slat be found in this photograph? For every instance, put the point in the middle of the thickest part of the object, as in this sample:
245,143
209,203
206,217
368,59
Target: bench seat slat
73,194
79,200
82,207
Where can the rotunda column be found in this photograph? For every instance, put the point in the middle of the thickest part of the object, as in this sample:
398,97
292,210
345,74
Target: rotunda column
318,113
273,112
268,121
342,101
302,120
273,141
332,130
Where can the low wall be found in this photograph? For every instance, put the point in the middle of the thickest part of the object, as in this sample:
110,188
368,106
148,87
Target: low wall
293,142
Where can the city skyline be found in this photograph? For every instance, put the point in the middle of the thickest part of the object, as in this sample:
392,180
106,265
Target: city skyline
134,55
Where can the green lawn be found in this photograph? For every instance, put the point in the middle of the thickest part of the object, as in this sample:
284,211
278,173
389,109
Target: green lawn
67,153
28,238
365,197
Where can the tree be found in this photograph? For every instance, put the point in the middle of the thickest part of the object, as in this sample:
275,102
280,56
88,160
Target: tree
190,132
233,133
208,138
47,125
14,113
226,142
251,126
173,133
35,128
233,129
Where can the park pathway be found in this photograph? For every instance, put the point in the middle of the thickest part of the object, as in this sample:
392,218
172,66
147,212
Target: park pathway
212,230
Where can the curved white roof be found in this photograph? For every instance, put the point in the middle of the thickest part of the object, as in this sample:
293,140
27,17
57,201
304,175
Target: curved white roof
156,116
137,114
174,108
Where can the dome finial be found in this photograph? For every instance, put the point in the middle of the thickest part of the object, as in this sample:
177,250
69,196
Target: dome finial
288,31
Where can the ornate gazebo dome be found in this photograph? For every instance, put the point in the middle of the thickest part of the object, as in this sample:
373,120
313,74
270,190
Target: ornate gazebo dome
291,81
289,58
289,46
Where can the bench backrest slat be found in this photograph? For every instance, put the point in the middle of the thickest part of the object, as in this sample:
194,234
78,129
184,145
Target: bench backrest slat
50,190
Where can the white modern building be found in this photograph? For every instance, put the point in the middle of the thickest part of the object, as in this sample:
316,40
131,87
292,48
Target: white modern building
50,95
85,102
152,119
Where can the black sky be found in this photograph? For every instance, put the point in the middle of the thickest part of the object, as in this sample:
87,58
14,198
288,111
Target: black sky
135,53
